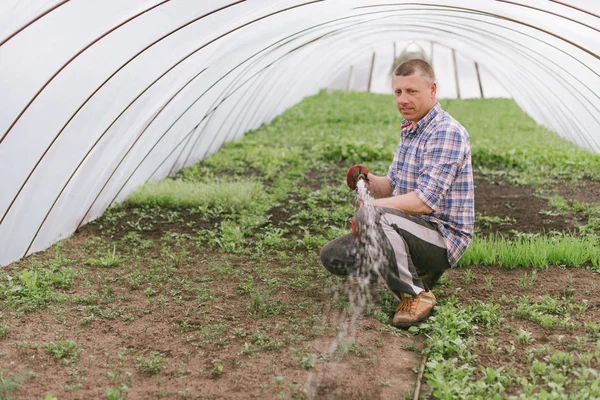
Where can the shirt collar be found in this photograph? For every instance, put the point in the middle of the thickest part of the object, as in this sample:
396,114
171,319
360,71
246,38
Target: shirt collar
423,122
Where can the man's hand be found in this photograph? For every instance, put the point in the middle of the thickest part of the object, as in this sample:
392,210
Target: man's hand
354,173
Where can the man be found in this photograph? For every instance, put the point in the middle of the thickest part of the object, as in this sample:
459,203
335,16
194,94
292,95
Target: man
421,220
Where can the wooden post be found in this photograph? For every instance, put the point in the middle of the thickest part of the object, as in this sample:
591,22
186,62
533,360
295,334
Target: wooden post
394,57
479,79
349,78
371,73
456,73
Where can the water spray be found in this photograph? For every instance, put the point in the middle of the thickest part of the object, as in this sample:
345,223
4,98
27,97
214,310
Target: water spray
357,292
362,189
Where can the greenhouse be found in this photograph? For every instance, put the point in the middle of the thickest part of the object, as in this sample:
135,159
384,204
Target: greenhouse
173,174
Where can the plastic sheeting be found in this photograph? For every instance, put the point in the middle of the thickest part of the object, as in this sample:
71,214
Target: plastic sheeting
98,97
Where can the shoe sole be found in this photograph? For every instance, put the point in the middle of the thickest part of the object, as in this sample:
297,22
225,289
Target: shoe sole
409,324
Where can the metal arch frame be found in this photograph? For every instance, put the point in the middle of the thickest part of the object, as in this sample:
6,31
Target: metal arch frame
31,22
499,17
575,8
90,97
549,12
94,145
597,73
77,54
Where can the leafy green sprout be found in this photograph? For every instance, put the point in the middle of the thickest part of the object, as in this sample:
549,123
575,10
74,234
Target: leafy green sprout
247,349
109,260
116,393
217,369
152,364
526,282
3,330
489,282
66,350
523,337
468,276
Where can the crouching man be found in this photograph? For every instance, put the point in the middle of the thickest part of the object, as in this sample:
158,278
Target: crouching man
421,220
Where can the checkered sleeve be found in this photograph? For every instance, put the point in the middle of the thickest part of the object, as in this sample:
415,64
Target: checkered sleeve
393,169
444,156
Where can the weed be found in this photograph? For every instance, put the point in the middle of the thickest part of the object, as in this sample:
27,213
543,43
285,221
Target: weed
116,393
523,337
3,330
489,282
526,283
66,350
152,364
468,276
217,369
9,382
109,260
261,305
307,363
247,349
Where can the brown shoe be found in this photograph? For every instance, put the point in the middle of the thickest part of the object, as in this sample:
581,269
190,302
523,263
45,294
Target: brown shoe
412,310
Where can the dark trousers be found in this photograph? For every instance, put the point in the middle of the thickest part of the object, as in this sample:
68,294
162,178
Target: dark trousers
406,252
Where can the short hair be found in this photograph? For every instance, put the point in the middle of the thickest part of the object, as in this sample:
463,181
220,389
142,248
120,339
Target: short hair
409,67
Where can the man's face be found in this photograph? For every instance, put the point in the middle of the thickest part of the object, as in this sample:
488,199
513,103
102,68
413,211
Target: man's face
415,95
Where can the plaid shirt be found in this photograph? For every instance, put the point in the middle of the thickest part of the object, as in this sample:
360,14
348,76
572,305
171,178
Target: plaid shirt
433,159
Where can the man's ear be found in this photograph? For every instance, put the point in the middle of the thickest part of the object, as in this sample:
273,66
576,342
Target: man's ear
433,90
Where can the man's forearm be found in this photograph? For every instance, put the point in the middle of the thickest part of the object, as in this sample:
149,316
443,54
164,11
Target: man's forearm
379,186
409,203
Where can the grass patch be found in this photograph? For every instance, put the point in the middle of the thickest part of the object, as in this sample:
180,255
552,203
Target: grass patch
537,251
169,193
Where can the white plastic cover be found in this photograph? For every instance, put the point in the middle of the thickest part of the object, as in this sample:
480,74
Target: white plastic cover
98,97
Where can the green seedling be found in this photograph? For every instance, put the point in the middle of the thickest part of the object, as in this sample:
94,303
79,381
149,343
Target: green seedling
67,351
217,369
489,282
468,276
152,364
109,260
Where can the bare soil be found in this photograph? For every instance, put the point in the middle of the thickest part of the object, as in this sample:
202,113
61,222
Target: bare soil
193,335
522,204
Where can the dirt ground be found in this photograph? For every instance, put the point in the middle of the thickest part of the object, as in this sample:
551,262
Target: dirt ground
381,366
